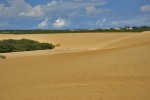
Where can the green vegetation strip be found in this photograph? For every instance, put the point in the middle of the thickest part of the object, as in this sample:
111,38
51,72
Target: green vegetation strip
39,31
11,45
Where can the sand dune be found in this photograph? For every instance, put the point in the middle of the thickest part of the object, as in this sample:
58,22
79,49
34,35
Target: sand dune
87,66
69,42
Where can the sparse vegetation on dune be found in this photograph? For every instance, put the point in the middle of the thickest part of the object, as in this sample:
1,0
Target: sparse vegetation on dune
2,57
11,45
57,45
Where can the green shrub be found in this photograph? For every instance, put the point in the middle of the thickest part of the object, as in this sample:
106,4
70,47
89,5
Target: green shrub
11,45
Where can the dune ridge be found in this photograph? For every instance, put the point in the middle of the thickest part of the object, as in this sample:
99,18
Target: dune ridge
69,45
106,66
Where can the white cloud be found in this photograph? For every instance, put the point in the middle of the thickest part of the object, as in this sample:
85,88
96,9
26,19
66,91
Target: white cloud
145,8
44,23
39,10
19,5
139,20
5,10
53,3
92,10
34,12
53,8
65,8
59,23
100,22
15,7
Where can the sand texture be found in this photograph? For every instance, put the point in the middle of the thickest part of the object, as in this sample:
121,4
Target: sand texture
86,66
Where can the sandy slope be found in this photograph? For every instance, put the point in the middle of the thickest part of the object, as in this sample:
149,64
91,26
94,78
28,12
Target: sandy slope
95,66
69,42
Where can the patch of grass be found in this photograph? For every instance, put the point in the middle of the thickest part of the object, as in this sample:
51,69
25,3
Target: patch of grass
11,45
2,57
57,45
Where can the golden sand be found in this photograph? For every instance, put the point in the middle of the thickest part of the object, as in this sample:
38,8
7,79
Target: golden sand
85,66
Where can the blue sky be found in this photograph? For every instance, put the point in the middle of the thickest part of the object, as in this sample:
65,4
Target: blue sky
73,14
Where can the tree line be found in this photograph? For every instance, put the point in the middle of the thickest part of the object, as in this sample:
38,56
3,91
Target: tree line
40,31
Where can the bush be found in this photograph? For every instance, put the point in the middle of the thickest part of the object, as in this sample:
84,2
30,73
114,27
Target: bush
11,45
2,57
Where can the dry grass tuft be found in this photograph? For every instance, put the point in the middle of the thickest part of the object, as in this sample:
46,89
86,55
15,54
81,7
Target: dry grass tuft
2,57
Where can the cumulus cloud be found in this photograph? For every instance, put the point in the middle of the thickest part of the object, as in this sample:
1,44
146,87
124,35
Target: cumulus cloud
39,10
44,23
145,8
33,12
15,7
68,9
6,10
53,8
59,23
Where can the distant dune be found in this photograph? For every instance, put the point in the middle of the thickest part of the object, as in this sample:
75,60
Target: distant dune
86,66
